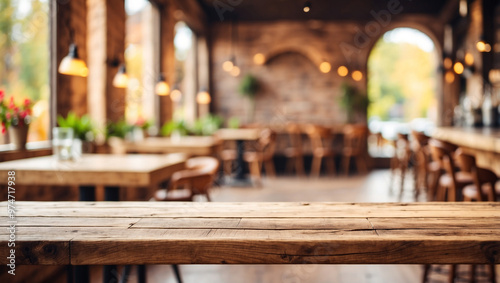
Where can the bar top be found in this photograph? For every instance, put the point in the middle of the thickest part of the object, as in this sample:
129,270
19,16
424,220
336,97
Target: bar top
81,233
487,139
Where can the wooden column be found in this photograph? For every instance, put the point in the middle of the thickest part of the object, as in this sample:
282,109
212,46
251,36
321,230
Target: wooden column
70,92
106,41
167,57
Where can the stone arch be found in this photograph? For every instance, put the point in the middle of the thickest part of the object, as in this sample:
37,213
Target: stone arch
313,55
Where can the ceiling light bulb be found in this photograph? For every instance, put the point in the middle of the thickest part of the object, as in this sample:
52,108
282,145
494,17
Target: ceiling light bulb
458,68
325,67
357,76
227,65
121,78
203,97
307,6
342,71
235,71
259,59
72,65
176,95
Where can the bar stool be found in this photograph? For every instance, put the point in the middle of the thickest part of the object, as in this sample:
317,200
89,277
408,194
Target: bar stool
294,153
427,171
401,159
321,142
263,155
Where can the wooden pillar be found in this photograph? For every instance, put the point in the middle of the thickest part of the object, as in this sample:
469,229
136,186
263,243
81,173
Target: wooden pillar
106,44
70,92
167,57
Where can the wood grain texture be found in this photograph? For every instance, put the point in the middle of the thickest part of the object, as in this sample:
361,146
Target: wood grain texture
81,233
237,134
95,169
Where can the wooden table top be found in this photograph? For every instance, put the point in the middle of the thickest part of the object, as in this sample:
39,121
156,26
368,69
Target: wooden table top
81,233
238,134
191,145
95,169
486,139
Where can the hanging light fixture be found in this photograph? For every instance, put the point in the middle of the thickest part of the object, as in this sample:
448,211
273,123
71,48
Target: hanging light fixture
176,94
325,67
72,65
259,59
307,6
342,71
357,75
162,88
203,97
458,68
121,78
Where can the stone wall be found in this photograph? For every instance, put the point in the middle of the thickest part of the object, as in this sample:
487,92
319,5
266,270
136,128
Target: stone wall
293,87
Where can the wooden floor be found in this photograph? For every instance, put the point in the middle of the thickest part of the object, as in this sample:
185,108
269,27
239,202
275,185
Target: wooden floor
371,188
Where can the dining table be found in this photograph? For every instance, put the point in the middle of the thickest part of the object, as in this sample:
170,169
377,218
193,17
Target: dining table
240,136
191,145
90,170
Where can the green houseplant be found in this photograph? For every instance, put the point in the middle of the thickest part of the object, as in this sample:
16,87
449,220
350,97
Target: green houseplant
354,101
249,86
83,129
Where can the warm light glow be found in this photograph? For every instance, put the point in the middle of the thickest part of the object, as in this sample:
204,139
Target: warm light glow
307,9
121,78
176,95
325,67
162,88
227,66
463,9
447,63
342,71
449,77
458,68
259,59
235,71
357,75
203,97
482,46
469,59
494,76
73,67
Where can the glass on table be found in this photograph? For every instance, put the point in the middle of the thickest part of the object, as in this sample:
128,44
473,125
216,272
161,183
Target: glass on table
62,143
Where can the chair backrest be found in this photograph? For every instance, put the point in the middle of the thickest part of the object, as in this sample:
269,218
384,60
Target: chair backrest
403,149
443,153
267,143
480,176
321,137
295,134
198,176
355,138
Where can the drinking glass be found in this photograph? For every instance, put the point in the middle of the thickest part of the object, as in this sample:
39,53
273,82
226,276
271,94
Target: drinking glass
62,143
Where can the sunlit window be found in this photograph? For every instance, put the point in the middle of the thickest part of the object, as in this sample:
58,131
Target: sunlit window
141,59
402,83
184,58
24,51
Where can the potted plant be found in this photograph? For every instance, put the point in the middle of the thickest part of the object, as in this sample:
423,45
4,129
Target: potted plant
118,129
16,118
353,101
207,125
83,129
175,129
249,86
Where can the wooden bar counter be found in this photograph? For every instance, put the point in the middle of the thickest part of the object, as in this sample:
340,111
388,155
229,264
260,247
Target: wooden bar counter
484,143
89,233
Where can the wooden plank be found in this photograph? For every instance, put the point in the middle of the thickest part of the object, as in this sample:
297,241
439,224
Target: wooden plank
193,146
237,134
117,233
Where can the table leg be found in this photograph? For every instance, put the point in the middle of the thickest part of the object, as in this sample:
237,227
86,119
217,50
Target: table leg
240,163
112,193
82,274
141,274
87,193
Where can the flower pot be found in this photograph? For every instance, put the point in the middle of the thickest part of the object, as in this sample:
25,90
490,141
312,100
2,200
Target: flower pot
18,136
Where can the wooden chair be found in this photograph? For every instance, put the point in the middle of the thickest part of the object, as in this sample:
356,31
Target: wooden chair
195,180
401,160
262,155
355,139
294,153
451,183
427,171
321,142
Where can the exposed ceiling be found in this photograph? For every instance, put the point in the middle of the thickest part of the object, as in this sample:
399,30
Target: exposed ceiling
357,10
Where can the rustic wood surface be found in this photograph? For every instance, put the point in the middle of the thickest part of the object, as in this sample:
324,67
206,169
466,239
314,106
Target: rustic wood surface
95,169
483,143
194,146
81,233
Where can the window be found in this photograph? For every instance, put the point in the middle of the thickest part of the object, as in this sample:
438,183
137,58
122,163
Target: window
24,51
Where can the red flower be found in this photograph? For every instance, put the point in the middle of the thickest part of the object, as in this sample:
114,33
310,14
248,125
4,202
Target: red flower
24,114
1,94
16,109
7,115
27,102
3,130
11,104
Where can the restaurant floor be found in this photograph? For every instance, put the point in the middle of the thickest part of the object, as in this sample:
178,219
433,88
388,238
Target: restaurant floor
373,187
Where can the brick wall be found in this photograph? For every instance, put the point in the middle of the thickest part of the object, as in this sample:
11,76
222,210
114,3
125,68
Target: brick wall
293,88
